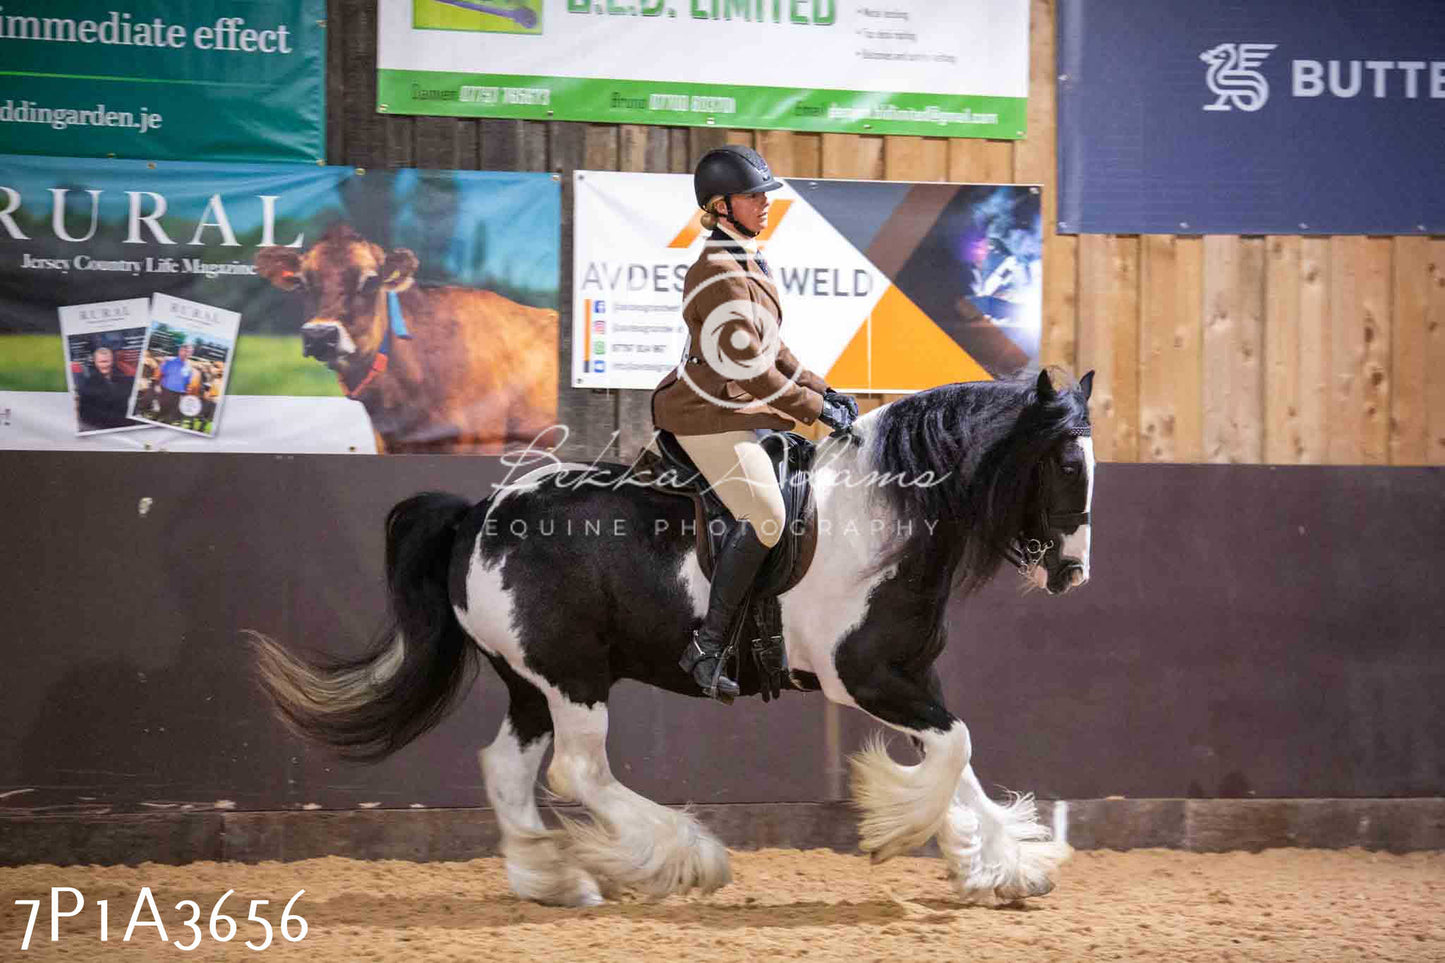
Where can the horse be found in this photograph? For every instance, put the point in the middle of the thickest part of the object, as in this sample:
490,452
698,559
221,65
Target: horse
926,498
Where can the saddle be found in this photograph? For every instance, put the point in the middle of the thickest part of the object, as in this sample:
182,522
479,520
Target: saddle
670,470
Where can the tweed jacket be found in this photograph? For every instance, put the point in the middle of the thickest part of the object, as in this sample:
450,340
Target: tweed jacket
724,272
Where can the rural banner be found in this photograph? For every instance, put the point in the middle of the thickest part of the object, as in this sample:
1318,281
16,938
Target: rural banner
275,308
1271,117
220,80
957,69
885,287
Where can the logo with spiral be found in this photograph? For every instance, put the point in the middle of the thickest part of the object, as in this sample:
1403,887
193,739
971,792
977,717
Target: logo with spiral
738,340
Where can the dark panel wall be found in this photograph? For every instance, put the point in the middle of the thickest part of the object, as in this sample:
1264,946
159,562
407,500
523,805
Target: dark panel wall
1247,630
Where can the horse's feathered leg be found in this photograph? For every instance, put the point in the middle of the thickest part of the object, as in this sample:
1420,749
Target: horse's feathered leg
904,806
538,866
634,843
997,853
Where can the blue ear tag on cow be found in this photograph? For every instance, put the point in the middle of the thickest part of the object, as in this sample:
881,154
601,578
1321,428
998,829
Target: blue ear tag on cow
393,310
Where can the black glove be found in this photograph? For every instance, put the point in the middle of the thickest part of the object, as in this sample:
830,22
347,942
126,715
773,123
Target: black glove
846,401
836,415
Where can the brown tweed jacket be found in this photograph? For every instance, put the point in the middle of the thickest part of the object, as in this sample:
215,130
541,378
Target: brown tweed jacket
683,409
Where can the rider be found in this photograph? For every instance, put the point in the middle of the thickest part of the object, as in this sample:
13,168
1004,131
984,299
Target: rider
735,378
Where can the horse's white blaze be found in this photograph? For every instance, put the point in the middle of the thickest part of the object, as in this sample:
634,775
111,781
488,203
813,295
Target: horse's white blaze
1076,543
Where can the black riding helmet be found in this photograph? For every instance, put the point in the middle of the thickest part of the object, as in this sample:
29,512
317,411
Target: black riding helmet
729,170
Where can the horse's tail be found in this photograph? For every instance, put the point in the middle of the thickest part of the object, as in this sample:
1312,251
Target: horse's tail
370,706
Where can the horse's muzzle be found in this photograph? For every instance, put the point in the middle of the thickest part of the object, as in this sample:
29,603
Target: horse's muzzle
1069,575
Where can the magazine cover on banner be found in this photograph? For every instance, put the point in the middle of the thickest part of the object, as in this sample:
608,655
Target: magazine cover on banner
885,287
275,308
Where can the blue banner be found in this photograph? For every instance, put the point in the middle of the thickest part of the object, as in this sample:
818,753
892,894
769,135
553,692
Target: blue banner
1271,117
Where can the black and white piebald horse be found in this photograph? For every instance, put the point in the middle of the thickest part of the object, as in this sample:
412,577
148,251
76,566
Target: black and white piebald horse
942,489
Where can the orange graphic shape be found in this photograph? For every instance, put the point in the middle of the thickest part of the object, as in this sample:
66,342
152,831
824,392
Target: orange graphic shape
905,351
693,230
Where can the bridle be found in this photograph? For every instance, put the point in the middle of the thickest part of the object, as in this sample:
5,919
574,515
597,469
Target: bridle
1027,552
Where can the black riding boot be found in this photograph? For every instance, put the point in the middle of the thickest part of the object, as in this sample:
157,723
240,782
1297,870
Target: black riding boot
732,575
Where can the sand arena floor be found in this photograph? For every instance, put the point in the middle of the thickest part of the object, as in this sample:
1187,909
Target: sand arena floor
817,905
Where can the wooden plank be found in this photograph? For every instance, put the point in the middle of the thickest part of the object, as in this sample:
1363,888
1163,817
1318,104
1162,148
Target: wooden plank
1233,381
1435,351
335,83
1170,348
600,144
700,140
499,144
776,146
1409,350
1283,444
642,148
590,415
400,141
1360,348
1034,159
856,156
365,141
1109,340
973,161
808,155
536,153
438,142
1315,350
679,152
743,138
908,158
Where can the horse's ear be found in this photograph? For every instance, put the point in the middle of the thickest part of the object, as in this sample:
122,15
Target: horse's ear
1086,384
1046,387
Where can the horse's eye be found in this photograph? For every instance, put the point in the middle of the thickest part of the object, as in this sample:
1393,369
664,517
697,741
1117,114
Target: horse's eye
1070,470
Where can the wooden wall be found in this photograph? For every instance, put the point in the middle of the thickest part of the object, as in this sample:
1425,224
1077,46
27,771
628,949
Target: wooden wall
1286,350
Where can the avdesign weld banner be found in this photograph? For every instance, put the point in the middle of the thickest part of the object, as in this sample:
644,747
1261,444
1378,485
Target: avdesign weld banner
1271,117
275,308
885,286
956,69
215,80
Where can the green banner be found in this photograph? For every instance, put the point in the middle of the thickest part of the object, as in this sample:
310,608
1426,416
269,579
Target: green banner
698,104
220,80
955,69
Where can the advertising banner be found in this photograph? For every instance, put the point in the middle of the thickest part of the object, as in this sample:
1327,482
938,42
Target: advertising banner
219,80
275,308
885,287
1272,117
957,69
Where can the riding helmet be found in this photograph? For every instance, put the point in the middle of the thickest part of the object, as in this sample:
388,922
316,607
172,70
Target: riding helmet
733,169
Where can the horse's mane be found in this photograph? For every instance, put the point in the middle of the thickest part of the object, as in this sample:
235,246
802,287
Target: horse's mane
987,438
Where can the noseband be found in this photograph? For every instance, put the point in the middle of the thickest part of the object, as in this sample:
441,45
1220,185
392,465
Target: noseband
1027,552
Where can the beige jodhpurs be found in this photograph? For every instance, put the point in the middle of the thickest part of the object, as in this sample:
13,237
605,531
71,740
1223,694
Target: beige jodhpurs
742,475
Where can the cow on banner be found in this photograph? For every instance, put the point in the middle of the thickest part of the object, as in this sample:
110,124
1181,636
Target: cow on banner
438,369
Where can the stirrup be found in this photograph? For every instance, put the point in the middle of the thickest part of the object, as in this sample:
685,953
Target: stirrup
695,653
